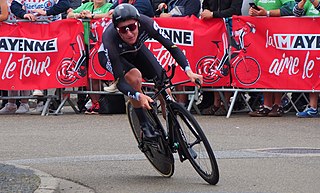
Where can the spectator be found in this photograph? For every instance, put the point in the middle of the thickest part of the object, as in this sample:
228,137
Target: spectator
143,6
272,101
308,8
46,10
219,9
180,8
92,10
3,10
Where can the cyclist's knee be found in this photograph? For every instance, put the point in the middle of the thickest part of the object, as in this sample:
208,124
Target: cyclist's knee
134,78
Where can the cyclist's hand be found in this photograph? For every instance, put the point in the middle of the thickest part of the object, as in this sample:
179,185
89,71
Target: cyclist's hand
145,101
193,76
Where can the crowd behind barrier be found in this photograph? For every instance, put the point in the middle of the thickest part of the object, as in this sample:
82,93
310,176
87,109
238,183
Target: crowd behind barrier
289,66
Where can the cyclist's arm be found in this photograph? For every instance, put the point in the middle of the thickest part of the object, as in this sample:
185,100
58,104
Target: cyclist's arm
158,34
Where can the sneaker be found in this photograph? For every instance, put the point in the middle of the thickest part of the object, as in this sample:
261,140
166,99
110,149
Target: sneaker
308,113
38,110
112,88
37,93
94,109
262,112
9,108
276,111
23,108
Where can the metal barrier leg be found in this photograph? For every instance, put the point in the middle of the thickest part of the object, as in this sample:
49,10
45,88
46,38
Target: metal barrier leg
232,103
45,110
65,98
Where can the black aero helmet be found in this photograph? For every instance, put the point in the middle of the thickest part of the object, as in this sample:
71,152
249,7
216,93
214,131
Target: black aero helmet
124,12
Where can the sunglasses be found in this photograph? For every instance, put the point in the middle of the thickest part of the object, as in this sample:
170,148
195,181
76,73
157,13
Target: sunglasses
125,29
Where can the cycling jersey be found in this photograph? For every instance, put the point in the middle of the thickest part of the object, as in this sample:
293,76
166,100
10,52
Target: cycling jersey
119,57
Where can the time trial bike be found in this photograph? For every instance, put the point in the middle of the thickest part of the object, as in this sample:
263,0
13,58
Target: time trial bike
180,133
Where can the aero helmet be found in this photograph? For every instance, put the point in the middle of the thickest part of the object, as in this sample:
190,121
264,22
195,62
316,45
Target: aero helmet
124,12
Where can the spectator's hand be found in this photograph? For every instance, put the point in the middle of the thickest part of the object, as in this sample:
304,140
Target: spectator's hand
85,14
206,14
40,11
69,10
162,6
254,12
29,16
165,15
145,100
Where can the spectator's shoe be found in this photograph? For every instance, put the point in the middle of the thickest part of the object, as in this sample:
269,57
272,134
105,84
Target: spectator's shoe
37,93
148,134
262,112
94,109
38,110
9,108
112,88
276,111
308,113
23,108
209,110
221,111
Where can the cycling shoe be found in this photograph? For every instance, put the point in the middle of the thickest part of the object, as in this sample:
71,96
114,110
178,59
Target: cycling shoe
148,133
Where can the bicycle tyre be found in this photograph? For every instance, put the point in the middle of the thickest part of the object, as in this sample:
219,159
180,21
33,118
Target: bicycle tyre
162,161
187,128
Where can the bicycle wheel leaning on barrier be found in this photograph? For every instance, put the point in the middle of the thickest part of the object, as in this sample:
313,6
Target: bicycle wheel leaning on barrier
159,155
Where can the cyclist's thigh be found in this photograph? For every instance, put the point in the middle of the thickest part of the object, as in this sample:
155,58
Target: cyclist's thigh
147,63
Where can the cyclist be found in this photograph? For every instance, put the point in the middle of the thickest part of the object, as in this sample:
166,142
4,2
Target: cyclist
125,55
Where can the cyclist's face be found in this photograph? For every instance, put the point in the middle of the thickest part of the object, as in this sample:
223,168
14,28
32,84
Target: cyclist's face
128,31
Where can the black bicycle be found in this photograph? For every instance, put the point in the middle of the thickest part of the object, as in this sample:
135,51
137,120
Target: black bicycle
178,133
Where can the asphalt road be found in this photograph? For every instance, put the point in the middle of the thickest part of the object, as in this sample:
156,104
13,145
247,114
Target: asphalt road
99,152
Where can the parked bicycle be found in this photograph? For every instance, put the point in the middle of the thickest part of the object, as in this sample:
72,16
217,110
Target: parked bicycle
180,134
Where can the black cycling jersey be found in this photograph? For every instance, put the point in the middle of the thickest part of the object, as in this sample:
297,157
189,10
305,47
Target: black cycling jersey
121,57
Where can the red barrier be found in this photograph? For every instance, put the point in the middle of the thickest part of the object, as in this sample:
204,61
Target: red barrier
278,53
42,56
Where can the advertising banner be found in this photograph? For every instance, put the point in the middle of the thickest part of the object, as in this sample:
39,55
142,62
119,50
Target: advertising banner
276,53
42,56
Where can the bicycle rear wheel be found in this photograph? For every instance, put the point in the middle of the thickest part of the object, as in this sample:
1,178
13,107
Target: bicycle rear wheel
160,156
195,145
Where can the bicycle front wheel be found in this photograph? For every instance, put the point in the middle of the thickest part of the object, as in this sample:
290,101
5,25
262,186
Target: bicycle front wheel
195,145
160,157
